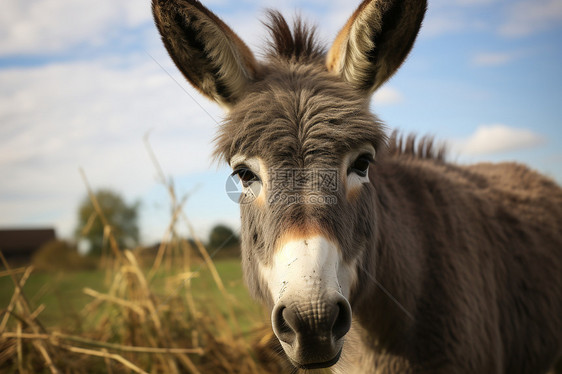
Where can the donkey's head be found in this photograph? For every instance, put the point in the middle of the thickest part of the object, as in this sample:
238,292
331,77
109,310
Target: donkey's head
300,137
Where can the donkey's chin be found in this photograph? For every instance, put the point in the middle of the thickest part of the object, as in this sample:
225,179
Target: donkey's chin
312,357
312,352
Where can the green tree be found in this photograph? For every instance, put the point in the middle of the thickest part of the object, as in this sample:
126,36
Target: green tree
60,255
222,236
121,216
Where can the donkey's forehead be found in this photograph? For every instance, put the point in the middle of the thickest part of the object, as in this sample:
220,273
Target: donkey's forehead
298,112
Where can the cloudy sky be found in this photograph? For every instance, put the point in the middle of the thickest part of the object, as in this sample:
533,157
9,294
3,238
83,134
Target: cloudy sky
83,82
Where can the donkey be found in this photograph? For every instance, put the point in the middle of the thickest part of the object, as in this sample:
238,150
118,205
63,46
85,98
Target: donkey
348,234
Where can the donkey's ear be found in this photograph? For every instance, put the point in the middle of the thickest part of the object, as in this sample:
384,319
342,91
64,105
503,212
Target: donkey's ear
208,53
375,41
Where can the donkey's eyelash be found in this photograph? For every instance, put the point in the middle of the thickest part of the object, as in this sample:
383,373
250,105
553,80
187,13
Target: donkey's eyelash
367,156
245,175
363,157
236,169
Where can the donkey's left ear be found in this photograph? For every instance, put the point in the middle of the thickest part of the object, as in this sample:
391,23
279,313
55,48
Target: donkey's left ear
375,41
208,53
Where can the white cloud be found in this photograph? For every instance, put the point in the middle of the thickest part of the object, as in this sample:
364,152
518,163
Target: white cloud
497,138
530,16
387,96
492,59
49,26
93,115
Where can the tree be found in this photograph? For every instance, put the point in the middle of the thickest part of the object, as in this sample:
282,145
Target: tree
57,255
222,236
121,217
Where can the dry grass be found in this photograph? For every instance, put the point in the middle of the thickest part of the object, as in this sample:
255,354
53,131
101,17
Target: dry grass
133,328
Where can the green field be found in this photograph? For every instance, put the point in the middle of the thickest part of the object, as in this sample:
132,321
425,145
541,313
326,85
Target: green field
63,296
127,316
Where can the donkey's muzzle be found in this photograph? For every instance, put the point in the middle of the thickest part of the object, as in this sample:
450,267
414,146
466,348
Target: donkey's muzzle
311,331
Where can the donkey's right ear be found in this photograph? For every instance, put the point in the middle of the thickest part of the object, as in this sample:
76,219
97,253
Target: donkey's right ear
208,53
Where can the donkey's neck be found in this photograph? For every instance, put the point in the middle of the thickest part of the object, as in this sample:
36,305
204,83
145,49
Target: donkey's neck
395,273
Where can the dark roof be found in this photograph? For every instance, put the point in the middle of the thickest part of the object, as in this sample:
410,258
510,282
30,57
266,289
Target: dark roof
13,241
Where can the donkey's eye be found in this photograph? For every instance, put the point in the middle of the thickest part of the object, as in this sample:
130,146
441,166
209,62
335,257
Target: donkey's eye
361,165
246,176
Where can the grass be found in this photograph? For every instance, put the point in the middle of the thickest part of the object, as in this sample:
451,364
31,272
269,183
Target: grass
205,292
62,293
126,318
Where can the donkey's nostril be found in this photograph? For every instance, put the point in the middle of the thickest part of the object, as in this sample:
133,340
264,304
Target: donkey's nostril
298,321
283,322
342,322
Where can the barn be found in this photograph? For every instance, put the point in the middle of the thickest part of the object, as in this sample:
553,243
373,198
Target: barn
18,245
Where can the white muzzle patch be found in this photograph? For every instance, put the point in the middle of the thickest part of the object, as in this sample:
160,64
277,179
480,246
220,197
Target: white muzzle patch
307,267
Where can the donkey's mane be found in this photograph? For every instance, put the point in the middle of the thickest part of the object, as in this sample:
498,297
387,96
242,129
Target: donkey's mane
424,148
298,44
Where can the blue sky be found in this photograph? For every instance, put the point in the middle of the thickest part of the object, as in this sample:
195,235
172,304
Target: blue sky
79,87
